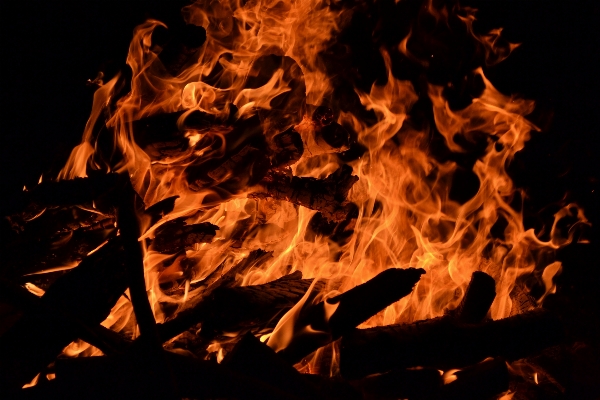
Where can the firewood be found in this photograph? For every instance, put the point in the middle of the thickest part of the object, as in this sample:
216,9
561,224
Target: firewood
124,376
254,359
353,307
75,191
230,308
480,381
87,293
445,343
325,195
176,235
478,298
414,384
287,148
134,260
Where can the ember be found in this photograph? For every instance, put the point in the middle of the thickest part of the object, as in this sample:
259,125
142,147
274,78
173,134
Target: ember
294,199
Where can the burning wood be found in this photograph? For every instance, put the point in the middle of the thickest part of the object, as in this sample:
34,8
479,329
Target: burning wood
251,142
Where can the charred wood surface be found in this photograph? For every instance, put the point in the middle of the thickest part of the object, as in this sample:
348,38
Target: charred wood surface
480,381
230,308
478,298
445,343
176,235
325,195
414,384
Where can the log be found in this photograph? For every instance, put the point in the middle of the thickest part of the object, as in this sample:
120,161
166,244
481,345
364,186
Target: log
256,360
88,293
325,195
175,236
287,148
74,191
478,299
480,381
229,308
122,377
444,343
353,307
414,384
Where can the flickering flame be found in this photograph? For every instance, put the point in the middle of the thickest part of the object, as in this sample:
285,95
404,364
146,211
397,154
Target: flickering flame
406,217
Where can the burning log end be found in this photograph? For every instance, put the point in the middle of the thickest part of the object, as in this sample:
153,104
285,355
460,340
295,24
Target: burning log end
479,381
288,148
479,296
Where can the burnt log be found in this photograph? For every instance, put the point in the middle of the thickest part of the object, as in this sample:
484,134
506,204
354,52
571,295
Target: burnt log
175,236
414,384
256,360
287,148
351,309
445,343
87,293
325,195
123,377
232,308
478,299
480,381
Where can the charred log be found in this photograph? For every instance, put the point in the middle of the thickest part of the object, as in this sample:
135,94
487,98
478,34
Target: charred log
414,384
124,376
352,308
254,359
325,195
480,381
445,343
38,337
234,308
478,299
176,235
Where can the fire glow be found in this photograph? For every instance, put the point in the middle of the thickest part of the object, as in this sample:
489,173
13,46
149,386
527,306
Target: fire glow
261,74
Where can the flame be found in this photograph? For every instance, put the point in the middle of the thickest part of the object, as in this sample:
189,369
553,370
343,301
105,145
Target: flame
406,218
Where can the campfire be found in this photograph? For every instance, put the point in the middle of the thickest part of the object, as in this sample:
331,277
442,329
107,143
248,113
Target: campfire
292,200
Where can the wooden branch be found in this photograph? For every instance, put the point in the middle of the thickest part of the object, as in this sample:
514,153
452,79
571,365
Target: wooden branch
325,195
445,343
353,307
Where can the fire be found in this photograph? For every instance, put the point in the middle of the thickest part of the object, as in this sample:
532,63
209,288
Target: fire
262,62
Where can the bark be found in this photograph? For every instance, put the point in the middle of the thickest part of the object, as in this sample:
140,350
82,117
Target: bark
325,195
175,236
478,299
444,343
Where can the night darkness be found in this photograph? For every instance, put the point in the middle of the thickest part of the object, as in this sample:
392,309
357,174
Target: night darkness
51,48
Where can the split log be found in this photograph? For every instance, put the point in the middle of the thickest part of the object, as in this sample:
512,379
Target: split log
445,343
414,384
325,195
352,308
287,149
256,360
480,381
87,293
175,236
